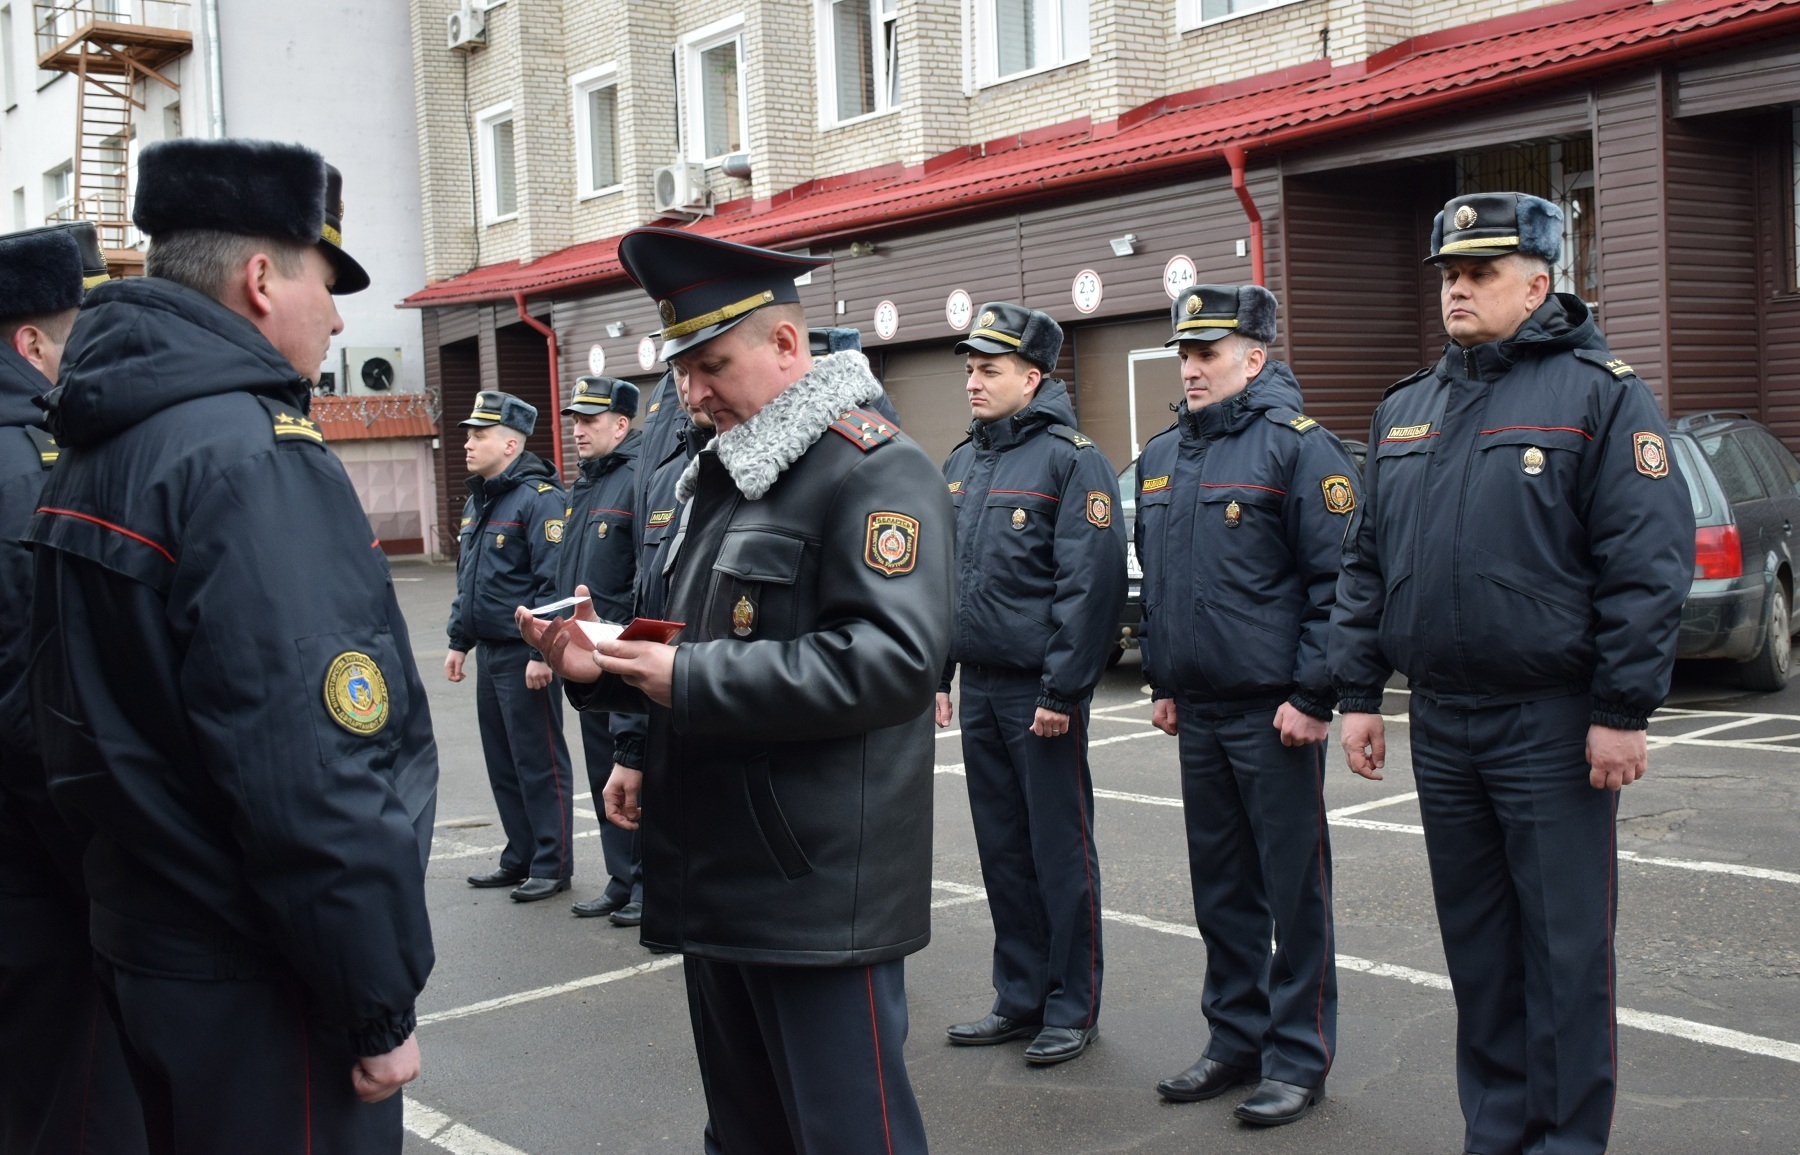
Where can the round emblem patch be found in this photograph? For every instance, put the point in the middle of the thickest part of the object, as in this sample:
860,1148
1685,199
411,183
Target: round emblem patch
1532,460
987,318
356,694
1194,305
666,310
1465,217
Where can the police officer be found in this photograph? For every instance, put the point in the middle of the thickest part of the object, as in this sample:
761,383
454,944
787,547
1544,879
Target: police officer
786,795
223,686
512,531
1241,510
1521,554
598,553
62,1074
1040,568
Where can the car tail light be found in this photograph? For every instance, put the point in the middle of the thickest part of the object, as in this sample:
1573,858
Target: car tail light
1718,552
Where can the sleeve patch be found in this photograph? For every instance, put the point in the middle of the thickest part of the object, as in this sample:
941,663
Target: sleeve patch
1340,497
356,694
893,544
553,530
1099,509
1652,456
1155,484
661,517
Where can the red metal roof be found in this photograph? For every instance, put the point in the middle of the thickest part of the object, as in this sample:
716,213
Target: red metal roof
1189,132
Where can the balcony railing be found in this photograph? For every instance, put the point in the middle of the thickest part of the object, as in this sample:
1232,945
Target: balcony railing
59,20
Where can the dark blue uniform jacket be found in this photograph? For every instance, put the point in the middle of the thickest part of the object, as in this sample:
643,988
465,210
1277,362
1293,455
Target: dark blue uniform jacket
223,683
1523,533
1040,556
599,537
1241,513
512,526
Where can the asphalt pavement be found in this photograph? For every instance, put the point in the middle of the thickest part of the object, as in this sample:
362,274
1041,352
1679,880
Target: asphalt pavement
544,1034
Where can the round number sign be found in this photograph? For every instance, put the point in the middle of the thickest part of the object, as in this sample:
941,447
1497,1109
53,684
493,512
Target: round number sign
958,309
596,360
1086,291
1178,274
647,354
887,320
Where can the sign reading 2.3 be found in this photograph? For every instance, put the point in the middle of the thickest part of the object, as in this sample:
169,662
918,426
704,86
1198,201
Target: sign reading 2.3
1086,291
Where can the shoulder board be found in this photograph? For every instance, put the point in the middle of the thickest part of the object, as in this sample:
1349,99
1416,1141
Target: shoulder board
1288,418
864,429
1405,381
290,424
47,449
1072,435
545,487
1613,365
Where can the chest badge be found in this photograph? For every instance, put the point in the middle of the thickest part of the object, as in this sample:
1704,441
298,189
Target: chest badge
499,540
1234,514
1532,460
1018,519
743,617
601,529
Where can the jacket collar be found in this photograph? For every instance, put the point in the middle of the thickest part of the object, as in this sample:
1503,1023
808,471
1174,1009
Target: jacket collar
758,451
1049,406
1561,323
595,468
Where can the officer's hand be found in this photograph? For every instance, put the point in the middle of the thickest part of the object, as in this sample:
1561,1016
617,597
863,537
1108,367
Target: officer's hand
946,710
1162,716
565,647
1616,758
1299,728
537,675
375,1077
646,666
1365,745
453,665
1049,724
621,796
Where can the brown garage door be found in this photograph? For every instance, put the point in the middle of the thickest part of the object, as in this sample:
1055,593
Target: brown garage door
925,384
1126,383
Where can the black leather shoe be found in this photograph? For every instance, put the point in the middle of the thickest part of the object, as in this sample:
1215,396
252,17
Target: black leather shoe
533,889
1275,1103
596,907
1206,1079
631,914
1059,1045
497,877
990,1030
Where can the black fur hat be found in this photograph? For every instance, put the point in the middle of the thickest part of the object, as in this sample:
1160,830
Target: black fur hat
1209,312
40,272
257,188
1495,224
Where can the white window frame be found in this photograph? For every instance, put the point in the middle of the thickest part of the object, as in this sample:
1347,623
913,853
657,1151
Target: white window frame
1188,14
693,99
987,45
485,121
883,78
581,86
54,205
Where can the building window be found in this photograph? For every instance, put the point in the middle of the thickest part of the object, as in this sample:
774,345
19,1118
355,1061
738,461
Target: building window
1559,171
18,208
859,54
59,193
597,131
1191,14
1024,36
717,116
498,164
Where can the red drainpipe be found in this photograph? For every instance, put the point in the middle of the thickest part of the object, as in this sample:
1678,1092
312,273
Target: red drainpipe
1234,156
556,374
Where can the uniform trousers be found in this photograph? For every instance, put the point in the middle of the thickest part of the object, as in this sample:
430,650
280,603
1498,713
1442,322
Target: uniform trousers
64,1089
620,848
1260,859
228,1067
1032,800
1525,872
527,761
803,1060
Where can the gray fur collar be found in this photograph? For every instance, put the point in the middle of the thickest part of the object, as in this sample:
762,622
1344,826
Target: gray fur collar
756,452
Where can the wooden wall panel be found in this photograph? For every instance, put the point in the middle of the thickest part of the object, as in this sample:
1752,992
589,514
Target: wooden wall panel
1710,201
458,376
522,364
1780,304
1634,280
1760,77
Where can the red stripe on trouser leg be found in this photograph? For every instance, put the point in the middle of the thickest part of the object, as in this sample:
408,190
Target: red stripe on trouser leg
1086,866
880,1081
305,1074
1325,897
562,837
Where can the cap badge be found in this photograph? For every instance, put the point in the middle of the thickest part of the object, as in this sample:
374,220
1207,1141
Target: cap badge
666,310
1194,305
1234,513
1532,460
1465,217
987,318
743,617
1018,519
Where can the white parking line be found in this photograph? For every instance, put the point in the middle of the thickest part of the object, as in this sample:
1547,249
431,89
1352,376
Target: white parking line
548,992
489,851
441,1130
1376,804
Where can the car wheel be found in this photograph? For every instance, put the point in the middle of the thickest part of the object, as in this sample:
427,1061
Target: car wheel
1769,669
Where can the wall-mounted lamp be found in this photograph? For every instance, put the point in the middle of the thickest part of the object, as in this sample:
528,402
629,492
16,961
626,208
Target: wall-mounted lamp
615,328
1124,246
862,248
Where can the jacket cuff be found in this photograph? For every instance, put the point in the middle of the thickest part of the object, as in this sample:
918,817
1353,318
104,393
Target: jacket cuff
461,645
1314,706
379,1036
1618,716
1059,705
629,751
1359,699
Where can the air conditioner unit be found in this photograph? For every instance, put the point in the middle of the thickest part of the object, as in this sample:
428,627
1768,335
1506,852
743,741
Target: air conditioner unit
370,372
681,188
468,26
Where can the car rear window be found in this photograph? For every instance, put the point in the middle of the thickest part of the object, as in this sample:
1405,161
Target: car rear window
1128,490
1696,480
1780,472
1731,465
